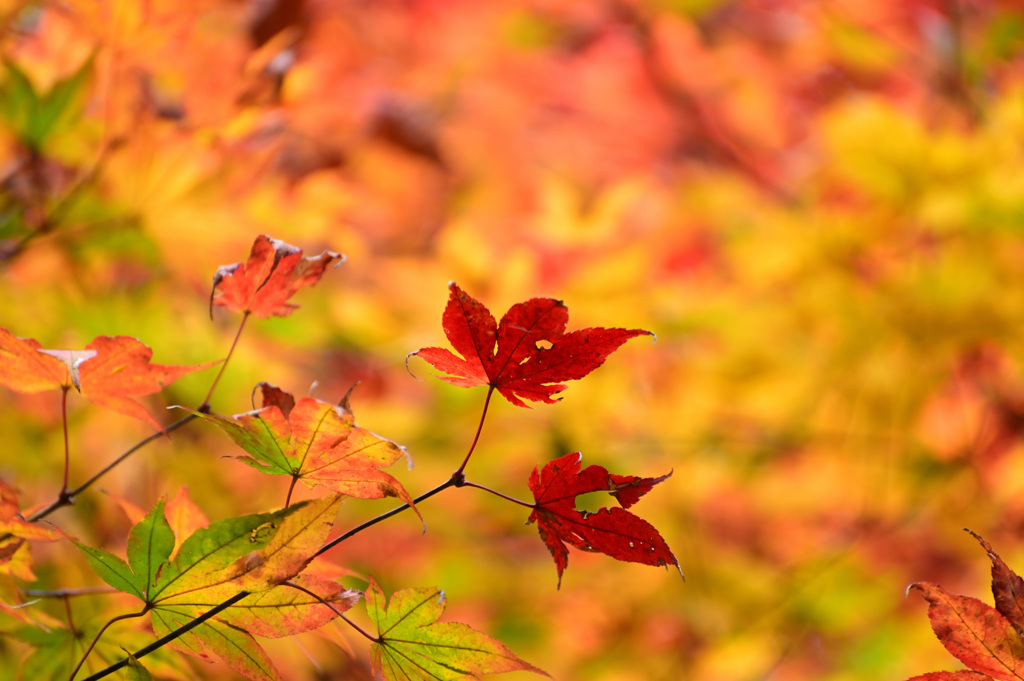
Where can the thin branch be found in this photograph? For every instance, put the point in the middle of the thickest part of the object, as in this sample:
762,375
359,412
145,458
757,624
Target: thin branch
100,633
467,483
155,645
205,406
65,593
479,428
450,482
68,497
337,612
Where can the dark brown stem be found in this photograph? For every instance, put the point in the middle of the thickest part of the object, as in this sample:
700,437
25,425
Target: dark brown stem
451,482
291,488
337,612
160,643
476,438
100,633
205,406
467,483
66,497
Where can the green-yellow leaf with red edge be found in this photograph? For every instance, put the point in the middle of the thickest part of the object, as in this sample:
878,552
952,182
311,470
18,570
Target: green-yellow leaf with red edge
412,645
984,638
612,531
315,442
528,355
256,553
112,371
274,272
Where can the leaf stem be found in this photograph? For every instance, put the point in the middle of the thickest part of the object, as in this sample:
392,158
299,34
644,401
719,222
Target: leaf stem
67,497
450,482
67,456
496,493
339,613
291,488
96,639
205,406
476,438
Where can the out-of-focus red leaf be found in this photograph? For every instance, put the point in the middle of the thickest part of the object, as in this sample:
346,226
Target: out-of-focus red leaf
527,355
273,273
612,531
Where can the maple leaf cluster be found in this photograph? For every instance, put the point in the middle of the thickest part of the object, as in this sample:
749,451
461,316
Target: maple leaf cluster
209,588
529,355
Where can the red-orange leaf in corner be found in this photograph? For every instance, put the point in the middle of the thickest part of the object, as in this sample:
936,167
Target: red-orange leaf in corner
112,371
612,531
974,632
262,285
528,355
986,639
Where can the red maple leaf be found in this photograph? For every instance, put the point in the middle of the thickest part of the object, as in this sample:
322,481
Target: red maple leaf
527,355
262,285
984,638
112,371
612,531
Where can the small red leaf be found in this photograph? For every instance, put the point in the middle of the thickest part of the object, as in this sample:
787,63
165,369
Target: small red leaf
612,531
528,355
273,273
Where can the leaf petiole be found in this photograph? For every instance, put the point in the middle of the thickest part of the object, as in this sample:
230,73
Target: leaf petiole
96,639
205,406
336,611
479,428
496,493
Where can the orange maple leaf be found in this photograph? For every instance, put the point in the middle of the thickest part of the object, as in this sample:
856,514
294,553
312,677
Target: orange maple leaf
274,272
112,371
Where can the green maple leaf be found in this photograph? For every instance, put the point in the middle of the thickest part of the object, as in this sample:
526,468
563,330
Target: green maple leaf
412,644
254,553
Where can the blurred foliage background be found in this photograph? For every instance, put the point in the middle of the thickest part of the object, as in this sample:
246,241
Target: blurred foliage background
817,206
